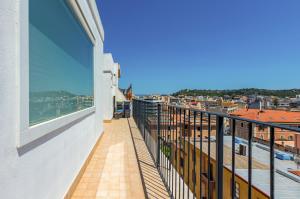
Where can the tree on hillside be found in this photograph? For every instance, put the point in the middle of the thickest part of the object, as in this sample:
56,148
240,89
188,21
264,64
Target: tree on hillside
275,102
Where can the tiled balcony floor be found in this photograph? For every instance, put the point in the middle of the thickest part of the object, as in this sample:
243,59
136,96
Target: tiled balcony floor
113,171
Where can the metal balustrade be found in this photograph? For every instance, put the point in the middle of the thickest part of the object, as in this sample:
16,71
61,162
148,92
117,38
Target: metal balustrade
192,150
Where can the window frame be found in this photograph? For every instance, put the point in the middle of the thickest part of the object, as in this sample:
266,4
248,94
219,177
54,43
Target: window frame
28,134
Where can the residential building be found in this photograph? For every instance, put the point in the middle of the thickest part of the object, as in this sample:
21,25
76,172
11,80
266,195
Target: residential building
174,100
192,175
53,92
229,107
282,137
189,159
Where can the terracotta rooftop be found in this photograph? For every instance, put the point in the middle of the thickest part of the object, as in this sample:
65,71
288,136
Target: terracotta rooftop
295,172
274,116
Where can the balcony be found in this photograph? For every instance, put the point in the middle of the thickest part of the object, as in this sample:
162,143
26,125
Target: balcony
120,166
152,156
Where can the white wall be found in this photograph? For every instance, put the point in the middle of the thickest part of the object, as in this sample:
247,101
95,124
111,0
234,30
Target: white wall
116,78
46,168
109,76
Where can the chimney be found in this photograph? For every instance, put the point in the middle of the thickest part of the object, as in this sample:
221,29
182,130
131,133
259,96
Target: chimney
260,106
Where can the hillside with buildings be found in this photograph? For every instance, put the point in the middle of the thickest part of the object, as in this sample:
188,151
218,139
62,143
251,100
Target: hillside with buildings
243,91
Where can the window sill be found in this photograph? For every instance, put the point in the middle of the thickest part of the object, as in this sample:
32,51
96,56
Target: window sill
55,126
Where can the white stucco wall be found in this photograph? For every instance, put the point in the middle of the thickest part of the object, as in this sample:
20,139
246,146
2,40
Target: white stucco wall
47,168
115,79
110,84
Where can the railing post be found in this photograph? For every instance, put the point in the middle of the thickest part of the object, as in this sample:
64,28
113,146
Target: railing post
250,129
144,120
233,128
158,135
220,144
272,178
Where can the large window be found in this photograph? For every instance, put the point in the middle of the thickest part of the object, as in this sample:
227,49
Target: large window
60,62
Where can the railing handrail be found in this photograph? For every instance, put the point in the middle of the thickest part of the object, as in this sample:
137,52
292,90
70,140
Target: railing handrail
171,162
289,128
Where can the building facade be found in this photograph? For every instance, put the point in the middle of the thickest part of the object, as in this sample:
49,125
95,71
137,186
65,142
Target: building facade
183,161
283,138
52,92
111,80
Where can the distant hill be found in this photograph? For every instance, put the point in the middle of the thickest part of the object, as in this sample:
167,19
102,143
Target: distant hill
52,94
244,91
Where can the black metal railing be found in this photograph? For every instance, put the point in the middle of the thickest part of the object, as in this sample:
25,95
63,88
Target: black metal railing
201,154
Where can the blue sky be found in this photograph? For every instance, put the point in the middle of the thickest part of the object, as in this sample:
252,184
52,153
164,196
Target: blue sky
167,45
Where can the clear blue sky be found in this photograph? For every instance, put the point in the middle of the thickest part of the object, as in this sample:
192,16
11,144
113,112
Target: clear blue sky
167,45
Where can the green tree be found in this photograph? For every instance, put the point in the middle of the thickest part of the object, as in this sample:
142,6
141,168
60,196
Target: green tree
275,102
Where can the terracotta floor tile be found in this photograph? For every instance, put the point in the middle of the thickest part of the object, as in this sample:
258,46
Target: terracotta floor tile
113,169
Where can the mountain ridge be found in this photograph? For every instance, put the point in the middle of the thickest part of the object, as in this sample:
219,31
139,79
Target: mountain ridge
242,91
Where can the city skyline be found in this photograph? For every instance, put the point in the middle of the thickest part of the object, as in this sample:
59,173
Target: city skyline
167,46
